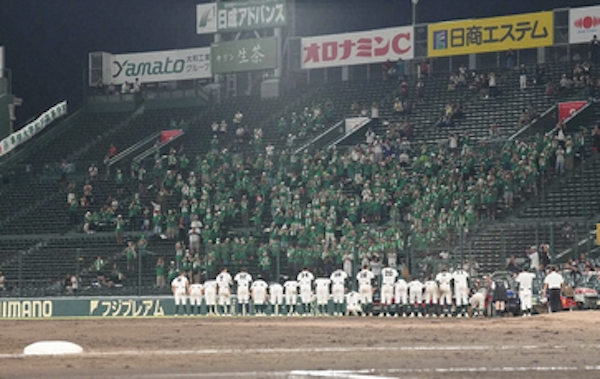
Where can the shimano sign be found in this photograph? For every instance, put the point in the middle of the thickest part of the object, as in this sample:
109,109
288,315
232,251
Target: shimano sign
160,66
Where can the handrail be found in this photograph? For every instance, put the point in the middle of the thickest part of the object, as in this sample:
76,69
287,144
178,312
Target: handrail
318,137
131,149
351,132
143,155
526,127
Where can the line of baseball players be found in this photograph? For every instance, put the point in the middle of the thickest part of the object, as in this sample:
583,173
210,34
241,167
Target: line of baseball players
431,298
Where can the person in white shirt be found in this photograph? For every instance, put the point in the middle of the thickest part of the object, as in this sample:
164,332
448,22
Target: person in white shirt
443,278
180,288
194,233
347,259
554,284
338,280
388,278
477,301
401,297
259,296
415,296
365,289
276,298
291,296
305,279
534,259
431,297
322,292
210,297
224,283
196,298
392,259
461,291
525,280
353,304
243,280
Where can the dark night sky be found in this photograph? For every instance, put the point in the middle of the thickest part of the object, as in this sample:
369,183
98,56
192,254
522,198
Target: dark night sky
47,42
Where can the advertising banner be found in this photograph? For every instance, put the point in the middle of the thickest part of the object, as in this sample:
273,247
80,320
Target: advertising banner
161,66
566,109
245,15
486,35
348,49
584,23
167,135
206,18
85,307
244,55
15,139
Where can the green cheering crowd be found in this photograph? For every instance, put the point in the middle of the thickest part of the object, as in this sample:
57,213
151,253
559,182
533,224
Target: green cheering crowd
316,208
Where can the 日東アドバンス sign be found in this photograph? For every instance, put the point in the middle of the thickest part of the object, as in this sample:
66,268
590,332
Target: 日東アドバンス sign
240,15
491,34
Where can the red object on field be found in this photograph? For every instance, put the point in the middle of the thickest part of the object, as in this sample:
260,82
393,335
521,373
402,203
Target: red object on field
167,135
566,109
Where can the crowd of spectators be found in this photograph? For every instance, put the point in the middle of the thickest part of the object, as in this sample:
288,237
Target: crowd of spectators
378,199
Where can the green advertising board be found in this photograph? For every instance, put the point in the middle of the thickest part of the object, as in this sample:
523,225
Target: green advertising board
244,55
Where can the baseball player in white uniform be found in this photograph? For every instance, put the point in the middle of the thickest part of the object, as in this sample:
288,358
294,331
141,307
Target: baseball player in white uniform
259,296
353,304
415,297
338,288
181,288
365,289
322,292
243,280
196,290
525,280
431,298
444,278
477,301
388,278
224,283
276,298
210,297
461,292
291,296
401,297
305,279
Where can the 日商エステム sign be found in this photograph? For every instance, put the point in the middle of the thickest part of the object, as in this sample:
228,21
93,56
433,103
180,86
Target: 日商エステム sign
491,34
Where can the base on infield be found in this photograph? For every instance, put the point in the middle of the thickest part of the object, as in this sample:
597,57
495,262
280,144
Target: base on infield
52,348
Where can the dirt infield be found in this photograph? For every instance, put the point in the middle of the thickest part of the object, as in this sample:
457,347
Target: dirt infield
546,346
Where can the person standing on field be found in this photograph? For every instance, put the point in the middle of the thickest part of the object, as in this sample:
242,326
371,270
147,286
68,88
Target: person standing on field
388,279
196,290
224,283
181,288
338,289
305,280
243,280
554,284
365,289
525,280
